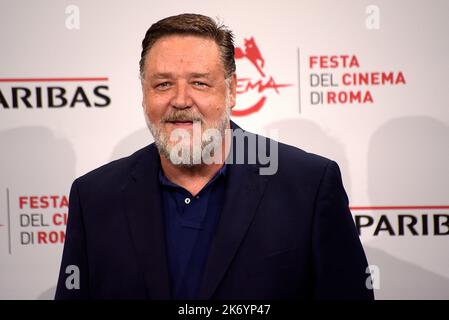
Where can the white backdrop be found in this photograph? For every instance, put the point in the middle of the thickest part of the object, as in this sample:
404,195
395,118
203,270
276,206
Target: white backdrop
391,141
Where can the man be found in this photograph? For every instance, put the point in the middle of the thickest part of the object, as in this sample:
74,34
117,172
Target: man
175,222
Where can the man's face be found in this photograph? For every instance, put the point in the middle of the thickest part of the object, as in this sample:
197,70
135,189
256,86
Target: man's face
184,83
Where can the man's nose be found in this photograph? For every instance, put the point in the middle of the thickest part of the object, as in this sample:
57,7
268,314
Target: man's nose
182,99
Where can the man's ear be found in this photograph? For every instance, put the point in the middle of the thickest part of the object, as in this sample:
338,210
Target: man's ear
233,90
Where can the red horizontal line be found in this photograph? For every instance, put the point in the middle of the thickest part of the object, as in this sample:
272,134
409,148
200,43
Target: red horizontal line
53,79
400,208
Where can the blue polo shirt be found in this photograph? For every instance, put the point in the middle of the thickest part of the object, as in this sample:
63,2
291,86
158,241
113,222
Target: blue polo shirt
190,224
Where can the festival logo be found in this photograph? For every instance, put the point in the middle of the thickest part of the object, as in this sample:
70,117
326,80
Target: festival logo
34,220
256,86
341,80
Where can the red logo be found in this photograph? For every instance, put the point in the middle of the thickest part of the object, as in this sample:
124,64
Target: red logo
256,86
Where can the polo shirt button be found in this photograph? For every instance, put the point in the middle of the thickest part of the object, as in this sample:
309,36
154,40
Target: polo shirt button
187,200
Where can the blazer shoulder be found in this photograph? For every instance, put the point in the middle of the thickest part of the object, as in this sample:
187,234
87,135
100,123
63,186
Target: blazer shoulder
285,154
299,166
289,161
115,170
291,154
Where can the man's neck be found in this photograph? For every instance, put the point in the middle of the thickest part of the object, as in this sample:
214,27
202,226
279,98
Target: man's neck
193,179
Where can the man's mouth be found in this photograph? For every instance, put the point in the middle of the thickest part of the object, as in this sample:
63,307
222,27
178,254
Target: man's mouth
181,122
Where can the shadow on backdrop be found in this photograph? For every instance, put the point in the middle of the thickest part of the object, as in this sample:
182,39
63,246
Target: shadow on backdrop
132,143
408,165
34,162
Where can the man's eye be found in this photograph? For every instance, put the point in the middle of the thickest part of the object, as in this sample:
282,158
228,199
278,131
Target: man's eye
163,85
199,84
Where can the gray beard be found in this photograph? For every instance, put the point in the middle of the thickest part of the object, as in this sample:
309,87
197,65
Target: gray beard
194,157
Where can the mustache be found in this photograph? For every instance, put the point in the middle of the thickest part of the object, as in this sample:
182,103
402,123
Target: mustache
181,115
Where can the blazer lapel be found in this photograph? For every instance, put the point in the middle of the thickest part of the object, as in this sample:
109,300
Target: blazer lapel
142,200
244,190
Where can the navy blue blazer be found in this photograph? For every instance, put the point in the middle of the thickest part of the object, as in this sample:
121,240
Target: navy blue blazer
284,236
